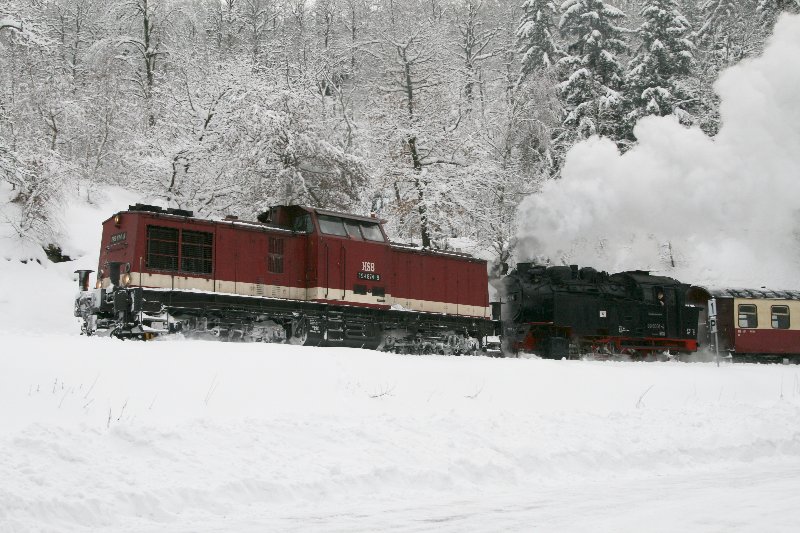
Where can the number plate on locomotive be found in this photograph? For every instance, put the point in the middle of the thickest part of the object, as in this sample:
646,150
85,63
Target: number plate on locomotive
369,276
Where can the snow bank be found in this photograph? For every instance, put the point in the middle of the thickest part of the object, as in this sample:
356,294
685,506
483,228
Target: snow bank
37,295
723,210
179,435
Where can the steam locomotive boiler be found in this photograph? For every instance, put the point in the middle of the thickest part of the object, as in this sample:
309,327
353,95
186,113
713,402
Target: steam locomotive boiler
566,311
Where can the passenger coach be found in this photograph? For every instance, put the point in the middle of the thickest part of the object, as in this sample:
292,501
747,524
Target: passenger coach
753,324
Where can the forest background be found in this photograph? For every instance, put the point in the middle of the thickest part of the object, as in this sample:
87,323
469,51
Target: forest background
438,115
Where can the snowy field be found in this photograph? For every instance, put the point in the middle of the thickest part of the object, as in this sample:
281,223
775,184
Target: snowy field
100,434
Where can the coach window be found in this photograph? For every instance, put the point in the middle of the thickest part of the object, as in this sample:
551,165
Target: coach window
331,225
359,289
748,316
353,229
780,316
372,232
162,248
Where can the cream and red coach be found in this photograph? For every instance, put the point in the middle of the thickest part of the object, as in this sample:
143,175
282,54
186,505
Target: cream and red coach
300,273
752,324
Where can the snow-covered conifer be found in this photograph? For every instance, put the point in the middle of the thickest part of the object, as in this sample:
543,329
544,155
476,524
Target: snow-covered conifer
664,57
592,72
536,35
768,10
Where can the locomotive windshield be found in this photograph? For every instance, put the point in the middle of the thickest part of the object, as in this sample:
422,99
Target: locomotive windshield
331,225
372,232
356,229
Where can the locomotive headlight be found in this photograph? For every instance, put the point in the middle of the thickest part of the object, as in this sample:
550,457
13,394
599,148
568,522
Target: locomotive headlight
98,285
125,279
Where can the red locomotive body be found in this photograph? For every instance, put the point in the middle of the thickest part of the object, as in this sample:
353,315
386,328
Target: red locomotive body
327,262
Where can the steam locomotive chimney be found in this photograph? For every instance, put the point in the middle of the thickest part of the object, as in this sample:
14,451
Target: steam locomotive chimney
574,269
83,279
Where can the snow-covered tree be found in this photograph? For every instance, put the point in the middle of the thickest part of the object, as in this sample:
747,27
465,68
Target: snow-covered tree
414,108
655,82
536,35
592,70
729,30
474,46
769,10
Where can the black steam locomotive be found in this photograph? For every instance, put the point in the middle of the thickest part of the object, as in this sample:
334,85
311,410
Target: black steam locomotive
566,311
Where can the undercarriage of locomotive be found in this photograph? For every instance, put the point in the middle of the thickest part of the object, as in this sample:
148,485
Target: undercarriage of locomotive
554,342
136,313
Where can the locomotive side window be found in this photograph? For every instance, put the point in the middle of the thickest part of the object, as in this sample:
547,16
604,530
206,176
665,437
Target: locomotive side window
359,289
275,258
748,316
331,225
196,250
380,292
302,224
162,248
372,232
780,316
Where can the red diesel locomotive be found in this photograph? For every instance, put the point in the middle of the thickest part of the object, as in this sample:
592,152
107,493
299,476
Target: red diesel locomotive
298,274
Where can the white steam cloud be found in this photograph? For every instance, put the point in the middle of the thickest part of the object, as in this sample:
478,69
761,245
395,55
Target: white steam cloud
721,211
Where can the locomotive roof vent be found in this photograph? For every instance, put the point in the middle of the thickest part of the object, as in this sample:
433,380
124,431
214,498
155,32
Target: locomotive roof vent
231,217
179,212
146,208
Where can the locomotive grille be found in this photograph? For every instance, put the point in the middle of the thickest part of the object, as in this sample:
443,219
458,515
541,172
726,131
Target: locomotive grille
196,252
162,248
275,258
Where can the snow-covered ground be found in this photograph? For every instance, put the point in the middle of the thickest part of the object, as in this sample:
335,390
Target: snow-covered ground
100,434
187,436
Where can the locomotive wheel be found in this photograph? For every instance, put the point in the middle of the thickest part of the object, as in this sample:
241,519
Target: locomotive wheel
299,332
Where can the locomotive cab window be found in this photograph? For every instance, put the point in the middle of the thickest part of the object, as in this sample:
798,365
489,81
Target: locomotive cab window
353,229
748,316
780,316
302,223
331,225
372,232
